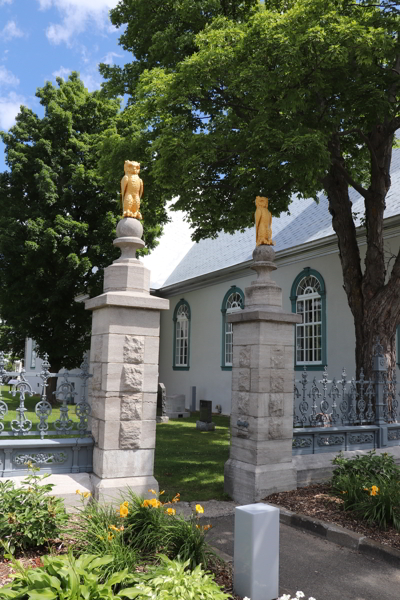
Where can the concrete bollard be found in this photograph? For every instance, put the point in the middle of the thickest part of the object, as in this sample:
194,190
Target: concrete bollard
256,551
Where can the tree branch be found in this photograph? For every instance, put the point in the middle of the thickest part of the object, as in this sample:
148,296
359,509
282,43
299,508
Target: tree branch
359,188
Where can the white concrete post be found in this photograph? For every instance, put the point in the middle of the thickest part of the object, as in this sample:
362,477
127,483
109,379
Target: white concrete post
256,551
124,362
260,461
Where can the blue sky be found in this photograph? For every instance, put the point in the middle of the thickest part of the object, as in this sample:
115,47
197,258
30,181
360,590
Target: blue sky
43,39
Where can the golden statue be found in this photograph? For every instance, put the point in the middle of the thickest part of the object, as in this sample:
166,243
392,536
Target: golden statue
263,223
131,190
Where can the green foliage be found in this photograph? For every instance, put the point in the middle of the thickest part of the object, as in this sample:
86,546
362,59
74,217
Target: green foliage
30,517
94,533
172,581
369,485
67,578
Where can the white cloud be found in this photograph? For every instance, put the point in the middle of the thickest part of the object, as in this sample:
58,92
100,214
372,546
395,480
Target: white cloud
9,108
92,82
109,58
3,2
62,72
11,30
7,78
76,16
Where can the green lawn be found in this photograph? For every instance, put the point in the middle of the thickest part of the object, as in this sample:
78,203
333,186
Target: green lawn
190,461
30,403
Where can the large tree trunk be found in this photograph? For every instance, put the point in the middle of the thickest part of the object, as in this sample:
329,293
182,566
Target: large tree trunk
374,300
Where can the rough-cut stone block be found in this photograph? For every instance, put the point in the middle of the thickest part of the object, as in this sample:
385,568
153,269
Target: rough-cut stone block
244,357
108,435
130,434
133,349
106,408
241,380
240,402
109,464
275,405
132,378
149,406
151,350
277,357
150,378
131,407
275,428
249,427
277,381
260,380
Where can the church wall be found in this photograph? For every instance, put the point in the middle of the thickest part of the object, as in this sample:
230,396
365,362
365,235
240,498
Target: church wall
206,327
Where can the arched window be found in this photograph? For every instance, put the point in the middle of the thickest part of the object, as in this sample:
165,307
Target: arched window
309,300
232,302
181,336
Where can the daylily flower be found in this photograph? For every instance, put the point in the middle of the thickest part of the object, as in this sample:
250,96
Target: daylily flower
199,508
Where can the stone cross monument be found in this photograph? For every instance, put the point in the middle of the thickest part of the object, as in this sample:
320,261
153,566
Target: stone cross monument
124,363
260,460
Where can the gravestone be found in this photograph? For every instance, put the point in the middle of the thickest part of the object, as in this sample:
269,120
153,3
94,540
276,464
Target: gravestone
162,404
205,422
175,407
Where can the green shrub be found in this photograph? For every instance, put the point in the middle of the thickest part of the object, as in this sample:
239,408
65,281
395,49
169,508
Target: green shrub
172,581
99,530
30,517
370,487
67,578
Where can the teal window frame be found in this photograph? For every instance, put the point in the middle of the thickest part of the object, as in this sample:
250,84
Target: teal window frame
232,290
176,367
307,271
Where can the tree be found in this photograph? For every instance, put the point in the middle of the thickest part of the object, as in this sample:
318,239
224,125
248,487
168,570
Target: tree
292,98
58,219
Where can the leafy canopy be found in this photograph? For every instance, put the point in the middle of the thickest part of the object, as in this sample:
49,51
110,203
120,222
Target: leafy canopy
249,105
57,220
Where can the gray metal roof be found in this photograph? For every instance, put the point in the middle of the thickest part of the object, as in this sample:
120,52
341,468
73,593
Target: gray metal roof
307,221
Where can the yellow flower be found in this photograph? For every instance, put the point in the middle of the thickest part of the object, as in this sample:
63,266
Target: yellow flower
374,490
197,526
176,499
126,503
154,502
90,517
123,511
161,493
78,492
199,508
152,492
343,492
121,528
170,511
146,503
110,537
207,527
86,494
113,528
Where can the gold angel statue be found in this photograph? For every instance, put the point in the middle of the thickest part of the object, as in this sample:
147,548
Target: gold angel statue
263,223
131,190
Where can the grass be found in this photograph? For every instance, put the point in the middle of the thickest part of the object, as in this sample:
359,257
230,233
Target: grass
30,403
190,461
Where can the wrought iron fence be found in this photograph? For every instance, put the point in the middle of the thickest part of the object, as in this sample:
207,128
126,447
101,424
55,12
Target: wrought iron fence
65,392
346,413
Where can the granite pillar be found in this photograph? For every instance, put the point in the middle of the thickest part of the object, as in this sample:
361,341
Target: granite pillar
124,364
260,461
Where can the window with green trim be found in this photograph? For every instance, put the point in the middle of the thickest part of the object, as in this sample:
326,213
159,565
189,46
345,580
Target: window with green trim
309,300
232,302
181,335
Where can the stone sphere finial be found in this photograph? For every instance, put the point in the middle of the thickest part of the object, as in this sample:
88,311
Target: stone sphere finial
129,234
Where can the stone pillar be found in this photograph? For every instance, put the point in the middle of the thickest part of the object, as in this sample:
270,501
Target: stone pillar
260,460
124,363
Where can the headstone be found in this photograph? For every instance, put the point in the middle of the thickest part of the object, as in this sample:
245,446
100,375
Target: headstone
162,404
205,421
175,407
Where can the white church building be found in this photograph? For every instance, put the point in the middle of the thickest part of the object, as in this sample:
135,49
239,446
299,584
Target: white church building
208,280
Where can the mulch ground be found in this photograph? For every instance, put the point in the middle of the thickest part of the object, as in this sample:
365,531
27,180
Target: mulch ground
317,501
